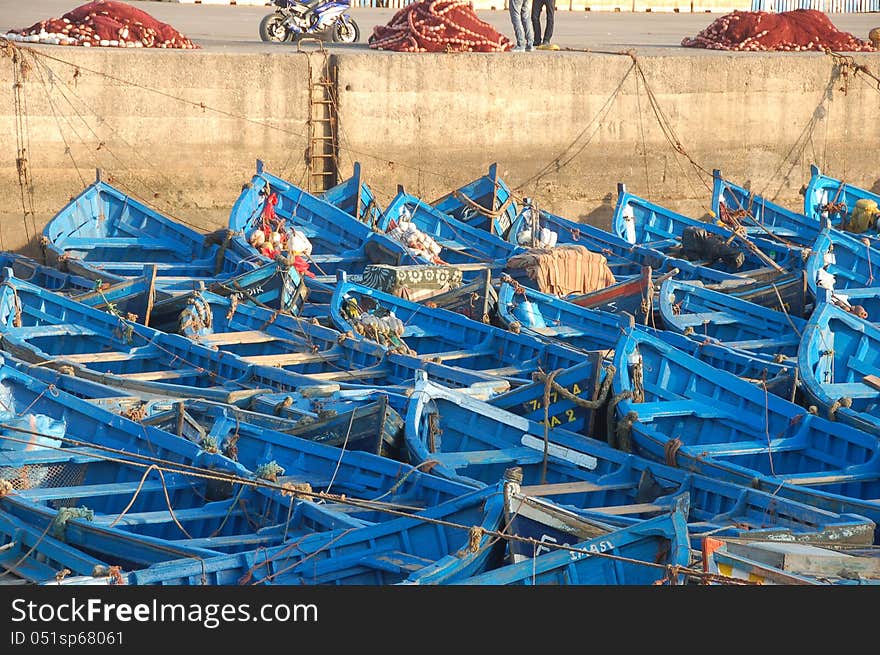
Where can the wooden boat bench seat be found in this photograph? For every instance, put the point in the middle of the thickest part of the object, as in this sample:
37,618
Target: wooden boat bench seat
765,344
562,488
634,508
185,270
670,408
58,330
745,448
831,477
858,365
384,560
108,489
292,359
701,318
395,560
515,455
18,458
232,540
153,376
111,356
450,355
850,390
204,513
237,338
349,375
130,243
558,331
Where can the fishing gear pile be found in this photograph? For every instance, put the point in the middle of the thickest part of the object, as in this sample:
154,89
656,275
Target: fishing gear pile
104,23
438,26
792,31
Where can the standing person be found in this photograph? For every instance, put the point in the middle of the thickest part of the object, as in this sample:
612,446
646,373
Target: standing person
522,26
536,24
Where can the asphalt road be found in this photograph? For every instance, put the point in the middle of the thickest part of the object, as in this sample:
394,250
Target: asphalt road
233,28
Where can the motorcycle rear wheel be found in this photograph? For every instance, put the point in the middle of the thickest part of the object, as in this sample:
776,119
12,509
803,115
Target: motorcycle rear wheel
345,30
272,29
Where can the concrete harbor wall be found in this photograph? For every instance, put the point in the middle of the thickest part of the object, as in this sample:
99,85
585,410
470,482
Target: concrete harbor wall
181,129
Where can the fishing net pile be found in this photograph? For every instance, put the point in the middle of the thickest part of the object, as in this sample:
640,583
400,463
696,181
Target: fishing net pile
798,30
438,26
104,23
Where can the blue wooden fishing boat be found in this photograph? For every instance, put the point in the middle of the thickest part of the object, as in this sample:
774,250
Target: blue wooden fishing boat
103,234
695,311
75,476
838,362
487,203
641,554
326,237
460,243
734,205
115,493
679,410
374,427
842,263
637,220
786,564
466,440
531,312
442,336
626,259
356,198
442,544
634,295
830,202
50,330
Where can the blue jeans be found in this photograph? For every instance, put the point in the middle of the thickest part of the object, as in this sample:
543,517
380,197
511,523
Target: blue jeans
521,17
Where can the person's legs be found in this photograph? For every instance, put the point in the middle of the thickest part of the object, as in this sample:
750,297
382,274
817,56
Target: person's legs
548,28
516,9
525,18
536,20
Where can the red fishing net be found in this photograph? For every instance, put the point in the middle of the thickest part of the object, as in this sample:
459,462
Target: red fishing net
798,30
104,23
438,26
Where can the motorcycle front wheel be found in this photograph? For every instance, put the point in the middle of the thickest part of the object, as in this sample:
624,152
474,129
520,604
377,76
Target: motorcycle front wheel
345,30
272,29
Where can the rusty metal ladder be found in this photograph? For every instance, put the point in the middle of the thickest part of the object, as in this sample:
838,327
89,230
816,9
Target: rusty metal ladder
322,152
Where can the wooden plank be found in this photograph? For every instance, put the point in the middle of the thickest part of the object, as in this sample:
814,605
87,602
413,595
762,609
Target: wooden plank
96,490
832,477
348,375
635,508
96,358
160,375
872,381
235,338
571,488
150,272
288,359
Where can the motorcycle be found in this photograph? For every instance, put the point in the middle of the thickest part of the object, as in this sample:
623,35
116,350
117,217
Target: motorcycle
290,22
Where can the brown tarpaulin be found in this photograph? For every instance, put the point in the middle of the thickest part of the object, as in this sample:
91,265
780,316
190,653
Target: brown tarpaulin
565,269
